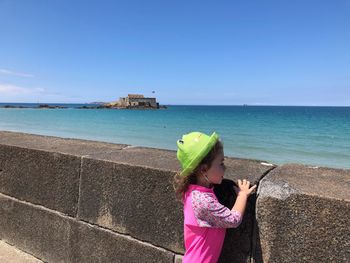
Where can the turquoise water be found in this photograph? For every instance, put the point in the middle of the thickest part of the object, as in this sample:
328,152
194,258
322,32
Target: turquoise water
317,136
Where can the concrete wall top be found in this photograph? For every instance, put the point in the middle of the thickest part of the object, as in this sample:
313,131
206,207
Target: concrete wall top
308,180
56,144
123,153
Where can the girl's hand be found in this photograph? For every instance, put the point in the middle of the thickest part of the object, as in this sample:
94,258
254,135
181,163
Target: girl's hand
243,187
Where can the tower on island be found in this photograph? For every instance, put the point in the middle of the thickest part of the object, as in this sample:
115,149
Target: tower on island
137,101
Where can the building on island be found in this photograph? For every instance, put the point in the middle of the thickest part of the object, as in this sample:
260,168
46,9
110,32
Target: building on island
135,101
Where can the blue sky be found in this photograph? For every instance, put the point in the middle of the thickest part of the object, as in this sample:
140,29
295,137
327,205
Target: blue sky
189,52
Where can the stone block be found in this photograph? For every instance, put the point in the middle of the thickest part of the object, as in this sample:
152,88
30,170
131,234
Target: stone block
90,244
53,237
34,230
44,169
134,200
303,215
45,178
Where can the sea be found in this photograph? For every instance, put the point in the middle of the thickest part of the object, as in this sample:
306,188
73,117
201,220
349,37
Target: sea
315,136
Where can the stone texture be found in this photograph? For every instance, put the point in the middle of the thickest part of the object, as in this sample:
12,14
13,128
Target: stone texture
46,178
251,170
92,244
144,157
33,230
54,237
134,200
44,169
10,254
303,215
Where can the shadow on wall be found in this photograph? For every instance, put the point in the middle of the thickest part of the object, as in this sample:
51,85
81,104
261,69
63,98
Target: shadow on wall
242,243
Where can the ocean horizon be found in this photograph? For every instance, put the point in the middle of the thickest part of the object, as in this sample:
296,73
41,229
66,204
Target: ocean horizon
311,135
77,104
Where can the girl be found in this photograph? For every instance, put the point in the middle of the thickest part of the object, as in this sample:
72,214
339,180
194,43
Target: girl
205,219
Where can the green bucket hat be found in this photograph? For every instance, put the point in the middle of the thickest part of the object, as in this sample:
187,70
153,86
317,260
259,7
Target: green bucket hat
192,149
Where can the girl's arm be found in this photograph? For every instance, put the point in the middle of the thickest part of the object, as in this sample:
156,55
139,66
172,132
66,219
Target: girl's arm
210,213
243,192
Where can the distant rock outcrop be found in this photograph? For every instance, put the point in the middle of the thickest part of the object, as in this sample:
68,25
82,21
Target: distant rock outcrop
134,101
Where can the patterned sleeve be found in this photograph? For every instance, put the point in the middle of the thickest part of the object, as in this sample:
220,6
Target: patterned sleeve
210,213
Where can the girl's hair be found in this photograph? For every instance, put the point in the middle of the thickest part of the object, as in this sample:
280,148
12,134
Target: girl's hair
181,183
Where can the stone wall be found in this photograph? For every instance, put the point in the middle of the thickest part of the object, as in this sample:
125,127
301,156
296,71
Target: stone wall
65,200
303,215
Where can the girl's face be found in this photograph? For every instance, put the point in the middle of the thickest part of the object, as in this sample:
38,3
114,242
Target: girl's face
217,169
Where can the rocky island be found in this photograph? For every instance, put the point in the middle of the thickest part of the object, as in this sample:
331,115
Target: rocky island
132,101
40,106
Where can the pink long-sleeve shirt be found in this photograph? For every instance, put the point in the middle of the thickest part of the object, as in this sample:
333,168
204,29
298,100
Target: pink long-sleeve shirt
205,223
